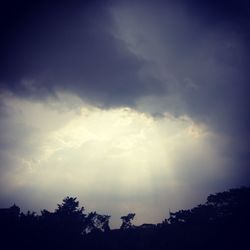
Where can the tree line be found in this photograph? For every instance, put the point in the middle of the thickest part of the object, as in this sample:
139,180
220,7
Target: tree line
222,222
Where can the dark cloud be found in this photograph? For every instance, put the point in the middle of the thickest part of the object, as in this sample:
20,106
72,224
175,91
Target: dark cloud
232,11
69,45
195,50
47,47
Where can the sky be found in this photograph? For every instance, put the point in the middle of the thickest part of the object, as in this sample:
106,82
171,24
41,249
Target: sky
130,106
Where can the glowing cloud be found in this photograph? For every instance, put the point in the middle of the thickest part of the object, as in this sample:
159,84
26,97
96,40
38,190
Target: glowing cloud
130,159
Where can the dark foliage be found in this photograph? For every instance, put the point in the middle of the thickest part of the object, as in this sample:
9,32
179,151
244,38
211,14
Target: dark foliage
221,223
126,221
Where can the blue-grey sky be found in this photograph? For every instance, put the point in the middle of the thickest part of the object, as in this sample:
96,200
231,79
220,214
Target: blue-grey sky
132,106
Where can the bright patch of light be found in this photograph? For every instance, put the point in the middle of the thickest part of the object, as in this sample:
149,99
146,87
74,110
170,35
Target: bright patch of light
66,146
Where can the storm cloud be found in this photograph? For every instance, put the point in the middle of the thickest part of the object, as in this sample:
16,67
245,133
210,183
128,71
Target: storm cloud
121,53
164,60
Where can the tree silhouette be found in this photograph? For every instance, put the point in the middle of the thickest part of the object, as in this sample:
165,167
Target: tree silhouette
69,206
70,217
97,222
221,223
126,221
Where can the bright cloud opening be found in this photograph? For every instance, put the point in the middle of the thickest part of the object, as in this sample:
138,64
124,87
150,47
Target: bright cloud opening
131,159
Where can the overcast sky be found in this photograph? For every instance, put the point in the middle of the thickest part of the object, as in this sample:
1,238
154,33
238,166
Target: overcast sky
132,106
